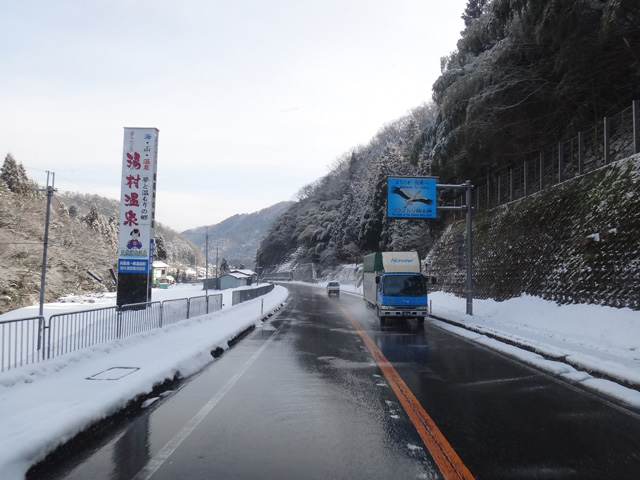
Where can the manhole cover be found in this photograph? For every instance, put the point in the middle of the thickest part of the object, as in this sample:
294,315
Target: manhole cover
115,373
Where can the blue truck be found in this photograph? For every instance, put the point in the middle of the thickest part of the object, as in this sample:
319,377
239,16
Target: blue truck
394,286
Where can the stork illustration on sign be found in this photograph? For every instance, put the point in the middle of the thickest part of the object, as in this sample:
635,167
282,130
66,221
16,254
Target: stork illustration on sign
411,198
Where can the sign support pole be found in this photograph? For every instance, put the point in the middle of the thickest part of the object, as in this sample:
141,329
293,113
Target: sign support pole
469,252
469,243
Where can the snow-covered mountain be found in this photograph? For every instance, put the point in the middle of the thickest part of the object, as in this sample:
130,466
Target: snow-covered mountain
237,238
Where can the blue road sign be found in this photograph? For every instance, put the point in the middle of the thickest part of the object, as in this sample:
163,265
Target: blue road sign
411,197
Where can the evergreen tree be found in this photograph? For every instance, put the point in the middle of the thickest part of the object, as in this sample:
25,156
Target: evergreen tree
160,248
224,267
15,176
473,11
93,218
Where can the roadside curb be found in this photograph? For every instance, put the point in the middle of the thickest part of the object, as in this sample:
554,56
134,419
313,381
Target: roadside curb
138,402
546,354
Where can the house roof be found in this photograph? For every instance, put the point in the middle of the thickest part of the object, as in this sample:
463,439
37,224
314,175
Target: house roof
237,274
246,272
159,264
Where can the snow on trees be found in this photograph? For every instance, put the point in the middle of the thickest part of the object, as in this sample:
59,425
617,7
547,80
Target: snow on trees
14,175
341,216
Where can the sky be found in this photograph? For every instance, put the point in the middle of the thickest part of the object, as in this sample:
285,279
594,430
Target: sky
587,337
253,100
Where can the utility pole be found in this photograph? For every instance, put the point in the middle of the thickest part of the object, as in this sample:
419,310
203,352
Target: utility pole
49,191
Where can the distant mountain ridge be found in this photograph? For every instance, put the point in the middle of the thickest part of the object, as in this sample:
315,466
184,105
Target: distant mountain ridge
237,238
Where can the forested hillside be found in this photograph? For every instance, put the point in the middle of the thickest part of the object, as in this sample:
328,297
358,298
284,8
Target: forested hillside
526,73
83,235
341,215
171,246
237,238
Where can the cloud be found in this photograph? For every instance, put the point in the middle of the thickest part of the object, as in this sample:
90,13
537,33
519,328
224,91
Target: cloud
266,92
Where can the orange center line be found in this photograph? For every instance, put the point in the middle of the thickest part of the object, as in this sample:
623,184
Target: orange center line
442,452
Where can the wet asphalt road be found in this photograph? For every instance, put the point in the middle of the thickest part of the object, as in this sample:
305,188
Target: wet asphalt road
302,397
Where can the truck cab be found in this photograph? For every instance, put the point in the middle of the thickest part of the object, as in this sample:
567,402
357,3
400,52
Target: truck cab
402,295
394,286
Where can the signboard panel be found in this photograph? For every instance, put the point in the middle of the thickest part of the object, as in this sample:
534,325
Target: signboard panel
137,200
411,197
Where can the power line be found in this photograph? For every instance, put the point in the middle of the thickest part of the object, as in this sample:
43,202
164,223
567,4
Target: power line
71,181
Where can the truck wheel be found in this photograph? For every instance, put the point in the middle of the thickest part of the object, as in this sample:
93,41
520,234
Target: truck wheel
382,319
420,320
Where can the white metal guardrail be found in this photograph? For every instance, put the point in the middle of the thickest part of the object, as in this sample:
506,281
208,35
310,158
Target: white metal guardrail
240,296
30,340
20,342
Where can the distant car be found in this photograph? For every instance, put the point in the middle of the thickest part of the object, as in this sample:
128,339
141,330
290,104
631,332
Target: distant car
333,288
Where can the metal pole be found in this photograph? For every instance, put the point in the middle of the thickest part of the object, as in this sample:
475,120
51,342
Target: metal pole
607,140
206,263
469,252
580,153
560,162
510,185
635,105
49,191
488,191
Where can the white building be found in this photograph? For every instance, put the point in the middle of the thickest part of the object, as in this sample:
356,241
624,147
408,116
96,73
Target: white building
237,278
159,271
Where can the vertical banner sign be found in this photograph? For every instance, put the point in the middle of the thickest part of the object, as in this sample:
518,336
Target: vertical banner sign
137,200
411,197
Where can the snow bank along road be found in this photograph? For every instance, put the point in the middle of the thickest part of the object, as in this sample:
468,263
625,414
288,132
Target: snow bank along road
51,402
593,346
309,395
46,404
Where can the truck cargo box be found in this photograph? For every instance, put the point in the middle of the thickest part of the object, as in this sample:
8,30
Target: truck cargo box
390,262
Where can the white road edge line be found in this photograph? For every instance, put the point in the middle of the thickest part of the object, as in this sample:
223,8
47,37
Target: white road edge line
154,464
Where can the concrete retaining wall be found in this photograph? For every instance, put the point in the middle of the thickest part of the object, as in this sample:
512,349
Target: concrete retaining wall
577,242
